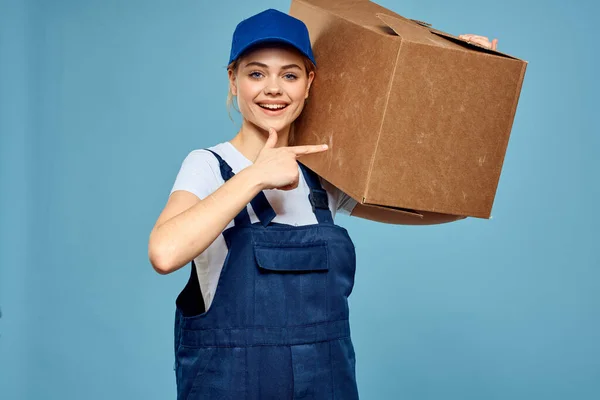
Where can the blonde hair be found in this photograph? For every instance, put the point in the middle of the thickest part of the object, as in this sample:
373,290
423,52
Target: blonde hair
233,67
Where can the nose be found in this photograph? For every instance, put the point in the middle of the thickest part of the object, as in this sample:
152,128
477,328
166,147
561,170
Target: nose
273,87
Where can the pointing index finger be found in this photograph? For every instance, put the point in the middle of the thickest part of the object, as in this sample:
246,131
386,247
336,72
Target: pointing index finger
309,149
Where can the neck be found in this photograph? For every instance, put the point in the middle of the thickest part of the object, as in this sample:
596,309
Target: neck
251,139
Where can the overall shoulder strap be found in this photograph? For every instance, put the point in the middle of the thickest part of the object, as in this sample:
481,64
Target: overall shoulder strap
317,196
260,204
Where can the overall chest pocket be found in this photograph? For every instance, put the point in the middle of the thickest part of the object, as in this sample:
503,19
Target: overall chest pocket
291,285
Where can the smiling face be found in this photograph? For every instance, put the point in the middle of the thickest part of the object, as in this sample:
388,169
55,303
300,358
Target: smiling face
271,85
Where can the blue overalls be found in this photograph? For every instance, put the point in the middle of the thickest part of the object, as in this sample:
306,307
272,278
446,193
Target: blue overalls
278,324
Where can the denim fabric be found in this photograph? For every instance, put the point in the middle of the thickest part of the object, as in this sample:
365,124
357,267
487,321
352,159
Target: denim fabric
278,324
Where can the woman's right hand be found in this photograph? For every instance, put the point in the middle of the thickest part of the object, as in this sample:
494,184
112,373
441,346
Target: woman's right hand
276,167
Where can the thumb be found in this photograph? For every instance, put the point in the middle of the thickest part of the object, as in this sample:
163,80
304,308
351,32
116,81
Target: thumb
272,140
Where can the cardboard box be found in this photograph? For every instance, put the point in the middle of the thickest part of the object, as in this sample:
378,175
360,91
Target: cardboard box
416,118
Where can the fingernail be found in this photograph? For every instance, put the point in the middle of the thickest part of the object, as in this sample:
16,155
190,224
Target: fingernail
325,147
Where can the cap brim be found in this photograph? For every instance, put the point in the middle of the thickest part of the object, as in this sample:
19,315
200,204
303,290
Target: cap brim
274,40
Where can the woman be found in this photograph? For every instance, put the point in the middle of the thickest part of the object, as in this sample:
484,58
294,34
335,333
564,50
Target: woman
265,313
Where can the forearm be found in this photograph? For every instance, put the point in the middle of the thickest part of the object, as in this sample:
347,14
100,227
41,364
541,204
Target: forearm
183,237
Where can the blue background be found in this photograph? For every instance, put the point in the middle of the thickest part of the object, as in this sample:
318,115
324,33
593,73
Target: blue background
100,101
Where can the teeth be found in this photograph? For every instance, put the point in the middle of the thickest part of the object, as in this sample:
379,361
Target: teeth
273,106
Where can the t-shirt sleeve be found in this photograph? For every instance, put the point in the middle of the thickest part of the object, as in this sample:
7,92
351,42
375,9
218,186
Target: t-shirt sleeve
344,203
199,174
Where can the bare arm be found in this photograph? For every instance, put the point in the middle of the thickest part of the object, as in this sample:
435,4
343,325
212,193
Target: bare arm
401,218
188,225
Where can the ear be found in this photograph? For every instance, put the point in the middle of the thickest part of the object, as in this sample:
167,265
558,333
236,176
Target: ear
232,82
311,77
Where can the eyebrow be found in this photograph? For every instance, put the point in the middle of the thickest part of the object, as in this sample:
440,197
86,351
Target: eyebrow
256,63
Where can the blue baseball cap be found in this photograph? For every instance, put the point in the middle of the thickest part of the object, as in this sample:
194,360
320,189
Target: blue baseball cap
271,26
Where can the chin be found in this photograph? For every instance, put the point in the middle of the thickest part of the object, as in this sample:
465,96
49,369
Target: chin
265,125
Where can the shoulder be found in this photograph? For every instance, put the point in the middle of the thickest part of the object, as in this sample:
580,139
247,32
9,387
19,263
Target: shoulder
343,202
199,172
203,157
199,160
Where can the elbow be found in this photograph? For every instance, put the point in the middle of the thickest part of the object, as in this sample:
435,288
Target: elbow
160,263
161,258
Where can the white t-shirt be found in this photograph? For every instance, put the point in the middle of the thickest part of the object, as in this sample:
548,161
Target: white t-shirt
200,175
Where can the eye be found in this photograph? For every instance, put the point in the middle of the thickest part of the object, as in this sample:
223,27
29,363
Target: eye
255,75
290,77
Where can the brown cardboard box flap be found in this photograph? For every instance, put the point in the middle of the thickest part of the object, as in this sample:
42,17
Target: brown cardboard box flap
398,26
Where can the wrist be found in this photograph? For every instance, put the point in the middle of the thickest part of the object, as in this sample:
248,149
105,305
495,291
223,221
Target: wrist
254,178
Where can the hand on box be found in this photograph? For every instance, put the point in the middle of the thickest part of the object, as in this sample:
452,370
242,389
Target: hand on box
480,40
